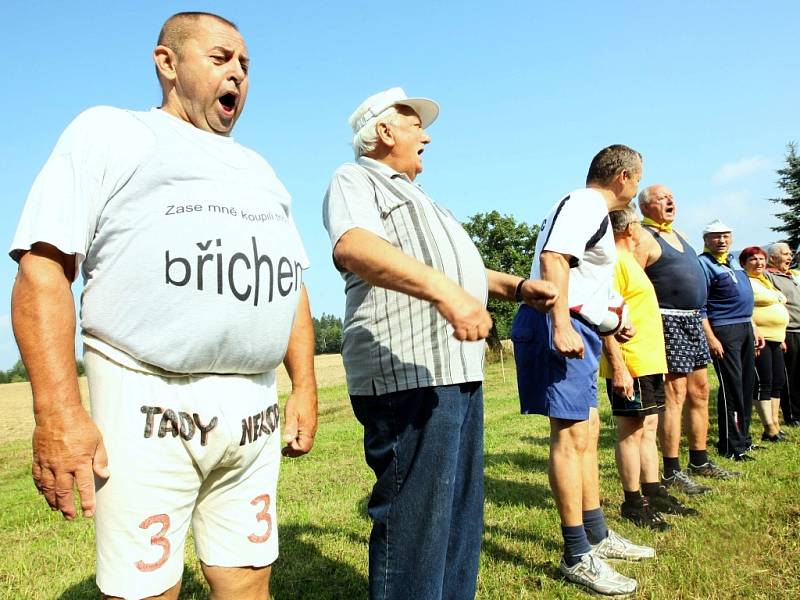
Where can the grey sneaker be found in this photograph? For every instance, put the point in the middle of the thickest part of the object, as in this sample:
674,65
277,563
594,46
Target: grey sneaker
596,575
711,469
617,547
680,480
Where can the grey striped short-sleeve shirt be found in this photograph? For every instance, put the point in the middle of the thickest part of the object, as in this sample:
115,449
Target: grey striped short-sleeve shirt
392,341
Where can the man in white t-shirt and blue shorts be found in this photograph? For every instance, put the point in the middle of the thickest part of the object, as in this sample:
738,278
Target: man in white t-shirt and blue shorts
557,359
193,295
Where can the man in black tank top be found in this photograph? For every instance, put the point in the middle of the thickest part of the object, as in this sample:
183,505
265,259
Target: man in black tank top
672,266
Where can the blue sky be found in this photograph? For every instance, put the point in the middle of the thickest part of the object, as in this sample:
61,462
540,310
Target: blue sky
529,92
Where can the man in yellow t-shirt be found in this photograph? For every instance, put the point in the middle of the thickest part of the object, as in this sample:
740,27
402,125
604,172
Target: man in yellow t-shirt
634,373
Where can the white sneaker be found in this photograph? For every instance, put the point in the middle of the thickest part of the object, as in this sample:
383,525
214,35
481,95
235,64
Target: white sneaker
617,547
595,574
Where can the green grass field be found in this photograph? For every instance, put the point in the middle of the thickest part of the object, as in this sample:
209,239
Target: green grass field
745,543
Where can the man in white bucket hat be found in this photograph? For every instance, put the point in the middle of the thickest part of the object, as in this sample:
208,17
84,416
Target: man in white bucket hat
415,321
732,337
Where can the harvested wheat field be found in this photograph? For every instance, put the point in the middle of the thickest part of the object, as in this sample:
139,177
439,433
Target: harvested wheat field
16,409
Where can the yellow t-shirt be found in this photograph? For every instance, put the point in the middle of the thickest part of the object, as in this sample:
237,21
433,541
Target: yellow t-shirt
769,313
644,354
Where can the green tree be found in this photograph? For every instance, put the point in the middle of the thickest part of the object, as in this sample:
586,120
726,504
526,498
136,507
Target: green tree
327,334
789,182
17,373
505,246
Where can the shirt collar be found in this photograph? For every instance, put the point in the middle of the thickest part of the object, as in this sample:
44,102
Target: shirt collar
366,161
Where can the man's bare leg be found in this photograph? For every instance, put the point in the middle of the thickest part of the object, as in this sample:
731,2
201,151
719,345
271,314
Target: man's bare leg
590,470
669,425
238,583
696,413
568,441
697,391
628,452
648,450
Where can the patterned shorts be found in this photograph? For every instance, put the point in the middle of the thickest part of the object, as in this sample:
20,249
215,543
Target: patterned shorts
684,340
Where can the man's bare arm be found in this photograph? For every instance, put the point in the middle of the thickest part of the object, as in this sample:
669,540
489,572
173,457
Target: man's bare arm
621,379
647,250
300,414
555,269
377,262
538,294
714,345
67,446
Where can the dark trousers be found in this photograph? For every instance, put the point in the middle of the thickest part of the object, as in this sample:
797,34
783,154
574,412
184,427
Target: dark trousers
736,373
790,396
426,449
770,372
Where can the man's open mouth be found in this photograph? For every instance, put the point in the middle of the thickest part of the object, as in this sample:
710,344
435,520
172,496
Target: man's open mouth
228,102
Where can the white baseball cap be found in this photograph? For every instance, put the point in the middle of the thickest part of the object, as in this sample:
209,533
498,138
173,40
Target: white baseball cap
373,106
716,226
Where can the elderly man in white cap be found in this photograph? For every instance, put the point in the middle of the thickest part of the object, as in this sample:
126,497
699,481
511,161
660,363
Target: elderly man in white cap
731,338
415,321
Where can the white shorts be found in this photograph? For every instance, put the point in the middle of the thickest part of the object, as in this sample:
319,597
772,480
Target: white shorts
199,449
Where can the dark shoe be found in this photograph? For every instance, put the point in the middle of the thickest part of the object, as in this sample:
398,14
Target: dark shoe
743,457
681,481
792,423
710,469
643,516
753,448
772,438
663,502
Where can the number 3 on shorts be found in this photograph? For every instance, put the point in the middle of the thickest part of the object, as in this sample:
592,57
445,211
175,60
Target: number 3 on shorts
156,540
262,516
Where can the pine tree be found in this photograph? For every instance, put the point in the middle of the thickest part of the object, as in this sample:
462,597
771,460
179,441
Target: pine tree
789,182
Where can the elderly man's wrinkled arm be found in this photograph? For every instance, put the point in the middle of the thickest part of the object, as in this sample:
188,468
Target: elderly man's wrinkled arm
68,448
300,412
536,293
379,263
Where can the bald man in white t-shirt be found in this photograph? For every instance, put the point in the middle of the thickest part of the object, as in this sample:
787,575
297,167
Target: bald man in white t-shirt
193,295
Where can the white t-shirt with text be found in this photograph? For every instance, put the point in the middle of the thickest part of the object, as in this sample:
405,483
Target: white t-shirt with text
190,256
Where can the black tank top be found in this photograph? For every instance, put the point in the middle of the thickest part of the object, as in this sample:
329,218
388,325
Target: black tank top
677,276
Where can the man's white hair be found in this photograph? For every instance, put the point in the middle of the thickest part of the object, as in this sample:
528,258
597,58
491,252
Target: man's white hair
366,140
620,219
644,198
776,248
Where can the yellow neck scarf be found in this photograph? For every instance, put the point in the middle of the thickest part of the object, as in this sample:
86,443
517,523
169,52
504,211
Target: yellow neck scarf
720,258
763,279
665,227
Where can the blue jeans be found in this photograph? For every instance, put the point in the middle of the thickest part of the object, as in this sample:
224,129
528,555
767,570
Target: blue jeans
426,449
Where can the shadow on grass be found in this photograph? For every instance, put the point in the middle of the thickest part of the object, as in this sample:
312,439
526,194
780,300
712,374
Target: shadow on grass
81,591
502,492
498,553
363,507
191,587
303,572
527,461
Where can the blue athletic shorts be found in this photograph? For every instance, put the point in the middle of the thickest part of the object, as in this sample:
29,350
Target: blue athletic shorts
549,384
